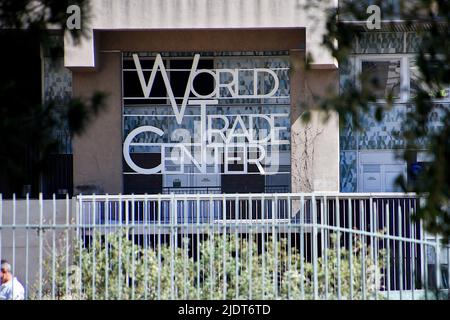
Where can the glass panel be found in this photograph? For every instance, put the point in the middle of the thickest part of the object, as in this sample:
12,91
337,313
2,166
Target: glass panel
264,121
385,77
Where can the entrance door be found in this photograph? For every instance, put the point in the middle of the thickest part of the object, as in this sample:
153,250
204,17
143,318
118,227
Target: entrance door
378,171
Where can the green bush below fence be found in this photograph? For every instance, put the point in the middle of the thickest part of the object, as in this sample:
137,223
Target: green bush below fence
225,266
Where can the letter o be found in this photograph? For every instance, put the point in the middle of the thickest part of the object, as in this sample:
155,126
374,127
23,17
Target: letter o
216,81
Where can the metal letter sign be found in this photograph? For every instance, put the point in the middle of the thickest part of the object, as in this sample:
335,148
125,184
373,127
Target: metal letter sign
220,139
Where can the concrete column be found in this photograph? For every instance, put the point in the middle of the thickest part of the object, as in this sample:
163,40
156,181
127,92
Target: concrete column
315,144
97,152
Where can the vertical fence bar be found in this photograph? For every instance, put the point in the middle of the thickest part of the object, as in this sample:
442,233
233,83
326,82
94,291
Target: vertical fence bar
178,228
289,214
438,264
275,245
184,240
448,271
85,219
425,257
362,222
423,252
302,246
119,273
211,247
27,243
78,218
263,244
412,246
197,207
388,256
237,257
155,210
407,252
350,251
106,231
1,222
53,246
400,249
41,213
145,233
250,250
93,243
172,267
294,215
314,244
159,246
133,262
67,245
224,243
324,244
126,255
373,238
338,248
224,266
13,242
378,236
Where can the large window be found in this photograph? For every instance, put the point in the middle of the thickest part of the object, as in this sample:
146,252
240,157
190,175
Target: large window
386,75
396,76
244,107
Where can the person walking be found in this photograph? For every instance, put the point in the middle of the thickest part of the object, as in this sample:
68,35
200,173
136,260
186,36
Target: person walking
11,288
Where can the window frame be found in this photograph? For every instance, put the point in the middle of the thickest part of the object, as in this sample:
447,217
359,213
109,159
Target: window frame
404,72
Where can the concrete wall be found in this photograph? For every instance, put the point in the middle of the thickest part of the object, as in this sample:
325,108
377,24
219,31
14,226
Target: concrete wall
325,149
7,235
202,14
97,154
314,144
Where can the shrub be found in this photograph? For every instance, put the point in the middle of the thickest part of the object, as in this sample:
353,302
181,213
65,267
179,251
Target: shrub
230,267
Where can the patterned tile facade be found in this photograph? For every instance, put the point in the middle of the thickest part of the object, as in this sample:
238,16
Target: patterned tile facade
57,81
379,42
57,88
347,138
348,174
383,135
386,43
412,42
374,135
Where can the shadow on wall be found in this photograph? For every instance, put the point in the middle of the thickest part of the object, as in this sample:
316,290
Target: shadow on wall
89,189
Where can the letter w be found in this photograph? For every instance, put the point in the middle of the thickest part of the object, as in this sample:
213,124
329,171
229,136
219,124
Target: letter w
147,87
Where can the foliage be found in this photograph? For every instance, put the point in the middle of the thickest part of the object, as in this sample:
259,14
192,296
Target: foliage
27,125
430,20
230,267
38,16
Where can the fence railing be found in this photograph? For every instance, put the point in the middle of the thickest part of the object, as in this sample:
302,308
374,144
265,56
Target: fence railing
223,246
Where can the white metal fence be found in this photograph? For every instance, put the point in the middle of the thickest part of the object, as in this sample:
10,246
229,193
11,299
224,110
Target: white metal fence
216,246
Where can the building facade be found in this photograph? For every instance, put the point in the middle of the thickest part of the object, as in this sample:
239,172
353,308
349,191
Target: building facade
248,57
252,52
368,157
209,96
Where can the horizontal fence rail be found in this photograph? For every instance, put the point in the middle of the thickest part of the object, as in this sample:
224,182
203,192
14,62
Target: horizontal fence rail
223,246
